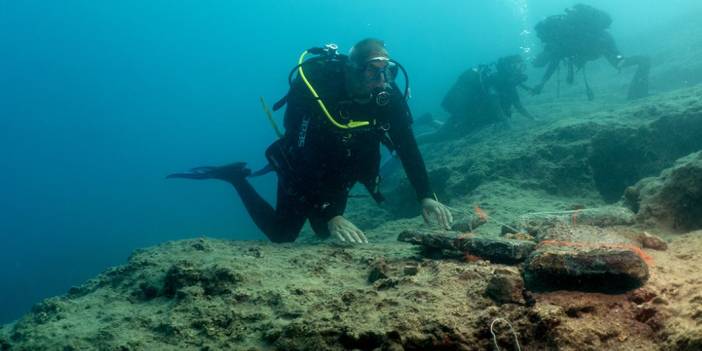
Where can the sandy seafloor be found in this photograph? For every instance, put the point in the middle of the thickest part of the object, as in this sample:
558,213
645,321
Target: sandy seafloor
211,294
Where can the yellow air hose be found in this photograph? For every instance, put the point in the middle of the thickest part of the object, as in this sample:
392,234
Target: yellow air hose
352,124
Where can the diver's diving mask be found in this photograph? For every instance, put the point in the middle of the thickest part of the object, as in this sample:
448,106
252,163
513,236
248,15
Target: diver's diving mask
380,69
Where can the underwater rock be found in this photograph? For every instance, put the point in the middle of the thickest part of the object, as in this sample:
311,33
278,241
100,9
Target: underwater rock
401,202
641,296
280,305
674,199
506,285
650,241
468,226
213,280
619,157
379,270
410,269
200,244
588,268
519,236
539,223
496,250
48,310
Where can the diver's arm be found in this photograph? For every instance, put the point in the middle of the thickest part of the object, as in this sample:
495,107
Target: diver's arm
408,152
610,51
331,208
517,102
332,201
549,71
614,59
523,111
552,65
406,147
526,87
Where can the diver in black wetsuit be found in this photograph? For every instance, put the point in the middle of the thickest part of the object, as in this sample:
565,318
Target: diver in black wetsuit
340,109
482,96
578,36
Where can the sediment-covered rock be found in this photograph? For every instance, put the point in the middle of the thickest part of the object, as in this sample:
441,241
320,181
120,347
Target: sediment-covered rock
588,258
496,250
506,285
586,267
621,156
650,241
674,199
215,294
539,223
468,225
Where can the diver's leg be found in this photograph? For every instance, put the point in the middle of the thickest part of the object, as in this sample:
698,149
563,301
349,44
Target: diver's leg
550,70
570,78
639,84
280,225
638,87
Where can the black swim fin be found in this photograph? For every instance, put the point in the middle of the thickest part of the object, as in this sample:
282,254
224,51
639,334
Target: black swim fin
229,173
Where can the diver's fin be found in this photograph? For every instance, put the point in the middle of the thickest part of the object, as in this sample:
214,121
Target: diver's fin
588,90
231,172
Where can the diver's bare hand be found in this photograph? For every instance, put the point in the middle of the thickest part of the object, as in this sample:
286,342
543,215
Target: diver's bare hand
441,212
346,231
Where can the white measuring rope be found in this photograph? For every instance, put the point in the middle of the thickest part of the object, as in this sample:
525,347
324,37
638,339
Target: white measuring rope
494,337
458,210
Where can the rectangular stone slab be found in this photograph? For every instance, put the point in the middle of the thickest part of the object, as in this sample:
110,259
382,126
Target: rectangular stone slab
496,250
586,267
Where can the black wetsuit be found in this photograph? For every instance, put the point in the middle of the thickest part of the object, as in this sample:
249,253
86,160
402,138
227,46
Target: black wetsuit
576,39
318,163
482,96
504,86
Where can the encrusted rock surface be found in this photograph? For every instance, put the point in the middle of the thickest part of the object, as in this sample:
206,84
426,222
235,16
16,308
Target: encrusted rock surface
587,268
206,294
674,199
497,250
506,285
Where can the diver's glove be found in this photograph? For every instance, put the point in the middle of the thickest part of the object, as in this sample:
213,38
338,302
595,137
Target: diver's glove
229,173
346,231
442,213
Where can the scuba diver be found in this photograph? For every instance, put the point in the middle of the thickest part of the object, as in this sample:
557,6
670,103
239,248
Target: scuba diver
482,96
339,110
578,36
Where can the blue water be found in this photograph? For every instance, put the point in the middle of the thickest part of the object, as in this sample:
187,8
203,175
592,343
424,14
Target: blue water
99,100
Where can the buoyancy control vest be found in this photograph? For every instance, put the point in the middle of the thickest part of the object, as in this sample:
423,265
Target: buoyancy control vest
326,131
